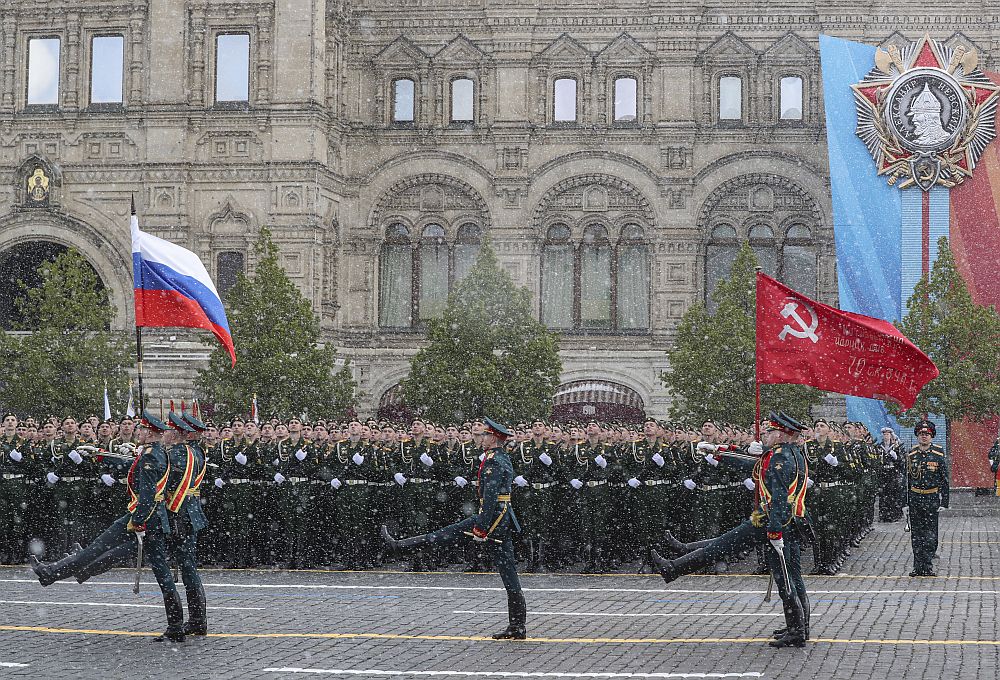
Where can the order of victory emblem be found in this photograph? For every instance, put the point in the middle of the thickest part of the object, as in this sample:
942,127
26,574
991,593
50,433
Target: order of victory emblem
926,113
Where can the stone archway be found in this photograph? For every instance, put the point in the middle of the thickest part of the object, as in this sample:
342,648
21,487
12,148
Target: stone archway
109,260
601,400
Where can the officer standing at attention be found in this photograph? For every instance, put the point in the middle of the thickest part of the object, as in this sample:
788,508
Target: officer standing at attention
495,525
926,495
188,465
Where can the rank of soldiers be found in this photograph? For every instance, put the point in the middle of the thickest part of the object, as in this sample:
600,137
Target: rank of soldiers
296,494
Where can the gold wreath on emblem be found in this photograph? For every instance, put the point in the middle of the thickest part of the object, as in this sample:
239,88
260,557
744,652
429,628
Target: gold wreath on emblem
919,162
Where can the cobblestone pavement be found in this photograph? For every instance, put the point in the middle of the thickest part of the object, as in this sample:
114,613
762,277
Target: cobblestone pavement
871,621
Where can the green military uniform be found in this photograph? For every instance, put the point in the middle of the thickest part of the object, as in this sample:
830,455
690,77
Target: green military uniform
292,496
535,460
927,492
594,499
357,466
15,464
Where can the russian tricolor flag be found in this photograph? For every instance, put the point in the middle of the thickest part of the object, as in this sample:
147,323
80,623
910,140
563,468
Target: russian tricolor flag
173,288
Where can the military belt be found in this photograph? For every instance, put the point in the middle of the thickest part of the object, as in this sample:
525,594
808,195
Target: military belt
714,487
543,485
827,485
617,484
318,482
600,482
71,479
923,491
239,481
379,483
503,498
656,482
296,480
419,480
8,475
352,482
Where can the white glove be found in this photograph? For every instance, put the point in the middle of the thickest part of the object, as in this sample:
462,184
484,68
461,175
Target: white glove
779,544
712,460
634,483
576,483
545,458
335,483
941,508
241,459
601,461
748,483
400,479
301,454
482,456
52,477
278,478
358,459
219,483
831,459
891,453
108,479
756,448
75,456
461,481
658,459
520,481
16,456
706,446
426,460
689,484
809,483
275,462
126,449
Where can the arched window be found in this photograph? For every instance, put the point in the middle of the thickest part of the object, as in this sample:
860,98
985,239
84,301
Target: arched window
730,98
625,100
798,260
595,278
466,249
762,243
791,98
564,100
402,101
462,90
557,278
632,290
433,272
722,250
396,278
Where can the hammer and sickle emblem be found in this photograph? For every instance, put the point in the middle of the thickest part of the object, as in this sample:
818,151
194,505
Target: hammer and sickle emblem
804,330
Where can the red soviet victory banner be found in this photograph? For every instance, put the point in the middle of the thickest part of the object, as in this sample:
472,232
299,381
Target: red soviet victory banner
804,342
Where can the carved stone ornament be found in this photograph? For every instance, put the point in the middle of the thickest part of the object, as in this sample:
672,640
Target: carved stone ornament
37,188
926,113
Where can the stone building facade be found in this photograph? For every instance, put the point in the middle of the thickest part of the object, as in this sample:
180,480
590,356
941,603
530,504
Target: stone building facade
615,154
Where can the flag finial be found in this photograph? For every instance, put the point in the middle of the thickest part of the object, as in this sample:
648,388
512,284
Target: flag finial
133,204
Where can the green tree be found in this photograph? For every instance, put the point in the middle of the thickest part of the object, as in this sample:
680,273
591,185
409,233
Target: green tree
486,355
961,338
61,366
279,359
711,372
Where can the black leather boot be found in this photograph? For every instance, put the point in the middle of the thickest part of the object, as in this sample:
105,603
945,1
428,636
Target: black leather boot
795,634
197,623
112,558
540,551
685,564
175,619
402,543
517,614
50,572
804,603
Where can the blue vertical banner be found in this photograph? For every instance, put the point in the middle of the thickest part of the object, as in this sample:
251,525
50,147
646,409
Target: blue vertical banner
867,212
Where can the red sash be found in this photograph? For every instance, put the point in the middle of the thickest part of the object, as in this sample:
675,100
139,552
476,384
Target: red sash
175,499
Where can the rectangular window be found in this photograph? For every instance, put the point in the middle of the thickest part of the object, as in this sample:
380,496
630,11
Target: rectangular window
433,280
43,71
461,100
565,101
107,56
625,106
402,101
595,287
557,286
730,98
230,266
232,67
791,98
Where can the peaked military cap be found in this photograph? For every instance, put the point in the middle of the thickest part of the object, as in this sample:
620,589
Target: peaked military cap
177,422
779,420
152,422
925,426
496,428
194,422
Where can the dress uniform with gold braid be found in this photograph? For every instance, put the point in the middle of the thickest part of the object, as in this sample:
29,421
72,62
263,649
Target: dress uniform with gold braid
927,481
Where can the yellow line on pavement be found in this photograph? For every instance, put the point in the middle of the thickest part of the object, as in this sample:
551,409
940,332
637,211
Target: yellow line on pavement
477,638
